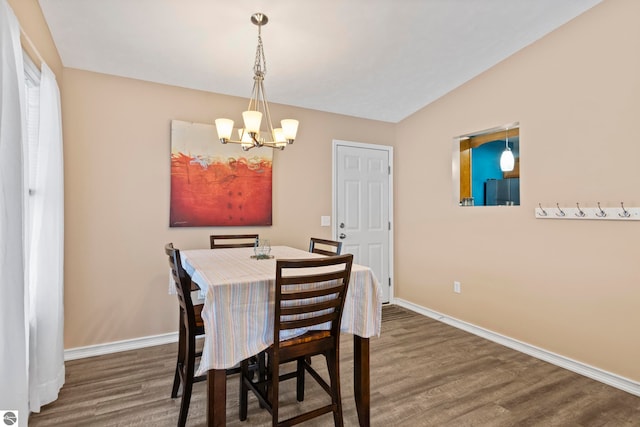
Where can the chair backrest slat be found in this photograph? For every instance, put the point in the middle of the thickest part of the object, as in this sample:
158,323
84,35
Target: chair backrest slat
306,323
311,293
313,307
324,246
219,241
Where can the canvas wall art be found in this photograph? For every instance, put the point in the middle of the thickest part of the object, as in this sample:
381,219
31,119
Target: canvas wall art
214,184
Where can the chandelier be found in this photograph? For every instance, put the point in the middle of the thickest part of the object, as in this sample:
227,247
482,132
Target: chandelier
250,136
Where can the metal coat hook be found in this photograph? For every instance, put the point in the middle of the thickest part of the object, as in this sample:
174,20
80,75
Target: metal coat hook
561,211
543,212
602,213
580,212
625,213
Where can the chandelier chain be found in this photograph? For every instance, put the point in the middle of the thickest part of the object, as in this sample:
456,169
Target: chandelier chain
260,65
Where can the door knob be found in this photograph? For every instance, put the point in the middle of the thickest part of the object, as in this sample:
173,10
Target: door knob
341,225
342,235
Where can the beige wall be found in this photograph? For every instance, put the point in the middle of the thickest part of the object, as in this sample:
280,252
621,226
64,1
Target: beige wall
570,287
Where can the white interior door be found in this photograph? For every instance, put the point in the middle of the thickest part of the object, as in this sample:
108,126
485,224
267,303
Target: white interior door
362,207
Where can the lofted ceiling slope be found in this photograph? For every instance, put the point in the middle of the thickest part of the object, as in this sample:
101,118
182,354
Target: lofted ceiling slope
375,59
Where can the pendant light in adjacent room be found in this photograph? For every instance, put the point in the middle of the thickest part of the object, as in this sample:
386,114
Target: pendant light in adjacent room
507,161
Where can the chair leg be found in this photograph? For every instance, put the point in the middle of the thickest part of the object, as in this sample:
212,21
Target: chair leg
244,391
274,390
268,389
262,373
176,382
300,378
180,358
190,350
334,374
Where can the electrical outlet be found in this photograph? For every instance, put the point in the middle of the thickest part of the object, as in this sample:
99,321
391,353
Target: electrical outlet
457,287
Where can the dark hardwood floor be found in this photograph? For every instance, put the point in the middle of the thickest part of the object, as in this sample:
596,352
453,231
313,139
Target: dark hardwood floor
423,373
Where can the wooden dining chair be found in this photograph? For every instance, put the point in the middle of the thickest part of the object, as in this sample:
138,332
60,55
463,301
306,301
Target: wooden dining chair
219,241
324,246
316,308
191,326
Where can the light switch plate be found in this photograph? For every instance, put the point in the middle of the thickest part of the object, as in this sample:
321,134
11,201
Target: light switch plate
325,221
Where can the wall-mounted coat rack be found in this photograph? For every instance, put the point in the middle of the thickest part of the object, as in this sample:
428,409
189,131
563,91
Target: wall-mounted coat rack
620,213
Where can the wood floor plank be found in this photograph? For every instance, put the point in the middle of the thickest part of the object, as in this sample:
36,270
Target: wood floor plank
423,373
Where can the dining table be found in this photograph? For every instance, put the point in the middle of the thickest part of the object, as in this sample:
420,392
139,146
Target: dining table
239,294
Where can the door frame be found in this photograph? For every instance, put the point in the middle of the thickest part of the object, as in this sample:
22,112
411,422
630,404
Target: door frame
334,201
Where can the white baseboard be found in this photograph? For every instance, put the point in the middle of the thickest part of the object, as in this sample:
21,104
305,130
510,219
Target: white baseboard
117,346
594,373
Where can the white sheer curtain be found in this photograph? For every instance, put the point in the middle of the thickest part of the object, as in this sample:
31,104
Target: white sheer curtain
13,292
46,249
31,231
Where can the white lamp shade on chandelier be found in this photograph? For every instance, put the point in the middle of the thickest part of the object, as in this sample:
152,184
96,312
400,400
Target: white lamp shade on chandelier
289,129
252,120
224,128
251,136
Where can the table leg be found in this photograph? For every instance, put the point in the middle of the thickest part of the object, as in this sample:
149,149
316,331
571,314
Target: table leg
216,398
361,378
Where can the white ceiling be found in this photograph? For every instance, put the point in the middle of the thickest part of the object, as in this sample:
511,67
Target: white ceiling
376,59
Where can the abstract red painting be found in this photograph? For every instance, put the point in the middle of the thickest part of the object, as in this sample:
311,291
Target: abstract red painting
214,184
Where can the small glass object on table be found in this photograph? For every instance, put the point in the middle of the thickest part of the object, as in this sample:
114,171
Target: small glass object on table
262,249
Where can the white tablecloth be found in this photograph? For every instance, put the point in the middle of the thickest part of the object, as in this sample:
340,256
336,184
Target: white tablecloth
239,300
